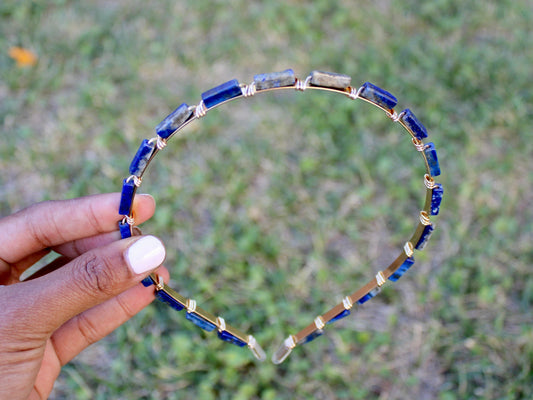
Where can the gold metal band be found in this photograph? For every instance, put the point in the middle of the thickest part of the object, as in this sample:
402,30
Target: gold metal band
358,297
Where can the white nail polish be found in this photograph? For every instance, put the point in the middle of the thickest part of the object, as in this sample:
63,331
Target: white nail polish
145,254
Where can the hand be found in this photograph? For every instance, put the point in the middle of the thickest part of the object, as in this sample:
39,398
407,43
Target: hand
87,293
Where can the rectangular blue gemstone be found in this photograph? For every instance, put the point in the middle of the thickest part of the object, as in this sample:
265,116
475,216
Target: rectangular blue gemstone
436,198
147,282
409,119
340,315
313,336
228,337
167,299
173,121
274,79
378,96
140,161
125,231
431,157
126,199
402,269
199,321
221,93
426,233
368,296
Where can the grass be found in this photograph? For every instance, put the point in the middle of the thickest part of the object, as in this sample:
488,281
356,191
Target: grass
271,212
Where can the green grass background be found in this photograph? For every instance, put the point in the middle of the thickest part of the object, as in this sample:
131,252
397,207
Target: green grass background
273,208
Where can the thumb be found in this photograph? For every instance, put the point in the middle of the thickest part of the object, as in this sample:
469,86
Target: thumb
87,281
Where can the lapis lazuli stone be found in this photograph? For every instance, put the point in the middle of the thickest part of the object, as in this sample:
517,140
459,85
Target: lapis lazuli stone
402,269
147,282
436,198
140,161
126,198
199,321
330,79
125,231
426,233
431,157
274,79
340,315
378,96
173,121
313,336
167,299
368,296
228,337
409,119
221,93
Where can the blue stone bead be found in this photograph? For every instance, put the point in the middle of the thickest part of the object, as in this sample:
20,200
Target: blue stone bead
140,161
368,296
426,234
402,269
274,79
126,199
147,282
199,321
431,157
313,336
167,299
125,231
341,315
221,93
378,96
436,198
228,337
409,119
173,121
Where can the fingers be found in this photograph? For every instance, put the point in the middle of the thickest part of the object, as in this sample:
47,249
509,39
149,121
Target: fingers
53,223
96,276
67,252
97,322
78,247
71,250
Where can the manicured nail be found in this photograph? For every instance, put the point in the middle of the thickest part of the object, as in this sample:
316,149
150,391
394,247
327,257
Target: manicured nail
145,254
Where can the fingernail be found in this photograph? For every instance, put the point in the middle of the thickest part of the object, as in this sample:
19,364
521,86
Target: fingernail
145,254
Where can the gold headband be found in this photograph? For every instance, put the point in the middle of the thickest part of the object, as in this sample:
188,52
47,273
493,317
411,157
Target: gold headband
326,81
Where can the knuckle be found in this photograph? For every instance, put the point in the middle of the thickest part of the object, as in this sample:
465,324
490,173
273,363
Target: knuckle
97,274
42,229
87,329
125,307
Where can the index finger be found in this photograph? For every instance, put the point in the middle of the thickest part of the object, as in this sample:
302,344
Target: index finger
52,223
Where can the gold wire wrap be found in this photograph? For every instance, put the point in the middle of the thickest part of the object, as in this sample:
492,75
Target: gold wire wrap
341,309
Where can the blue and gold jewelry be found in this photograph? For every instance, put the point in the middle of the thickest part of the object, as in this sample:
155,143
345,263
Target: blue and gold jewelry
231,90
